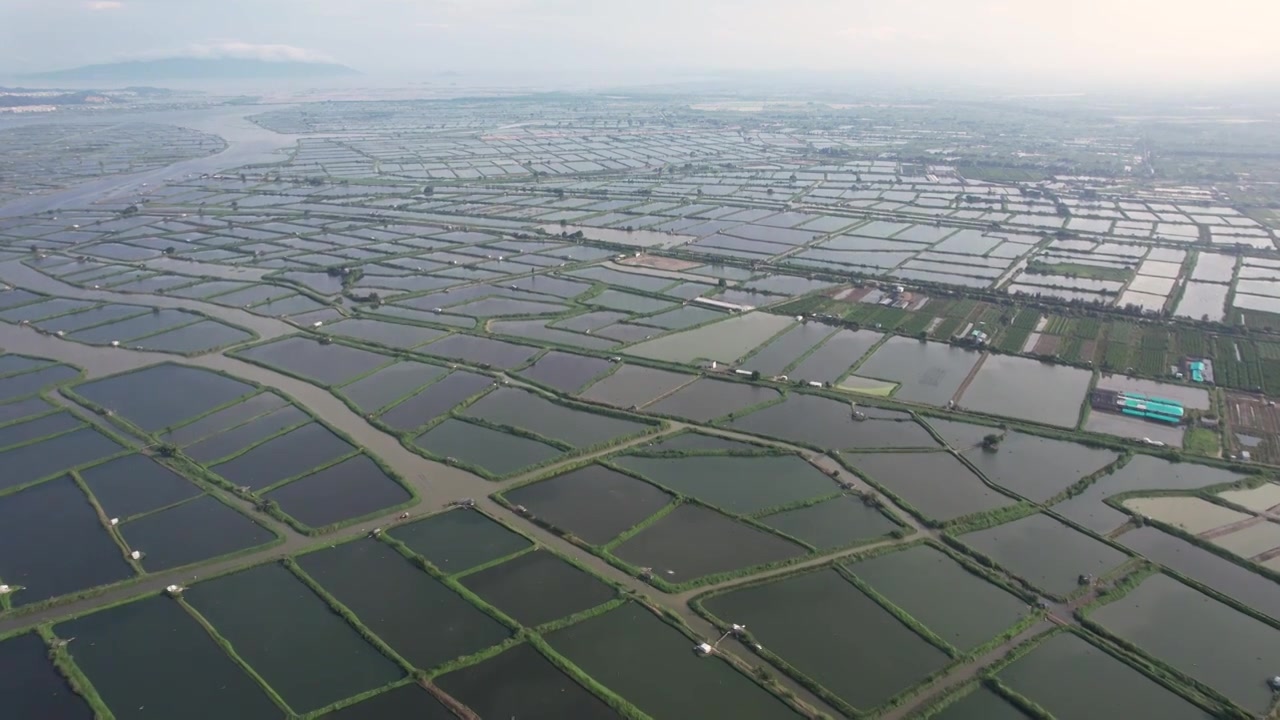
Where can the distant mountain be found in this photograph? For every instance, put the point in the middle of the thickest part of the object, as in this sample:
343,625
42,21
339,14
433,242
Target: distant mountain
186,68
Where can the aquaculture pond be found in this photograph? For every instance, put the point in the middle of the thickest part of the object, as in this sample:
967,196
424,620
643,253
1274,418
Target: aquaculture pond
493,451
935,483
16,386
1142,472
407,702
353,488
981,704
435,400
1208,640
128,654
330,364
927,372
135,484
459,540
635,386
638,656
526,410
376,391
521,683
25,431
32,687
691,542
1202,566
565,372
20,409
826,628
481,351
291,637
53,543
724,341
593,502
1034,467
739,484
698,441
198,337
1046,553
220,420
420,617
833,358
231,442
915,579
774,357
53,456
1028,390
392,335
283,457
831,424
704,400
833,523
1074,680
538,587
196,530
162,396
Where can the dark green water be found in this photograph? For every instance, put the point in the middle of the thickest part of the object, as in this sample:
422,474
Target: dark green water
190,392
1045,552
638,656
196,337
538,587
136,484
223,419
24,432
409,702
829,424
824,626
564,371
692,541
286,456
331,364
130,653
193,531
49,457
523,409
232,441
353,488
936,484
30,685
435,400
392,335
521,683
481,351
18,386
835,523
385,386
498,452
704,400
981,704
736,483
595,503
459,540
305,651
421,618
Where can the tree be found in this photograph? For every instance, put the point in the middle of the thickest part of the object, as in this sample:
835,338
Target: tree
755,374
991,442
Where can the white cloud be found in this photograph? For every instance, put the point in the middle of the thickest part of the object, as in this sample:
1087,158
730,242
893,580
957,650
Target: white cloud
101,5
241,49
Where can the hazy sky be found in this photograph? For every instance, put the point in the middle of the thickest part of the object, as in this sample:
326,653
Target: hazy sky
1046,42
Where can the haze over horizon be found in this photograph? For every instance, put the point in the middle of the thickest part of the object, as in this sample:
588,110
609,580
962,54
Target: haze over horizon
1080,45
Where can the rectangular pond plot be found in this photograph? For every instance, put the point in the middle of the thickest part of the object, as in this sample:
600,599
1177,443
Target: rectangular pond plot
1046,553
128,654
498,453
829,630
421,618
521,683
407,702
974,612
135,484
737,484
1075,680
436,399
565,372
523,409
980,704
929,373
49,308
936,484
1142,472
641,658
350,489
164,395
17,386
1208,640
194,531
692,542
230,417
52,543
20,409
13,297
831,425
15,364
834,523
1028,390
230,442
32,687
774,357
89,318
392,335
124,331
197,337
289,455
593,502
21,433
704,400
538,587
725,341
632,386
47,458
481,351
627,302
834,357
376,391
459,540
1034,467
291,637
330,364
